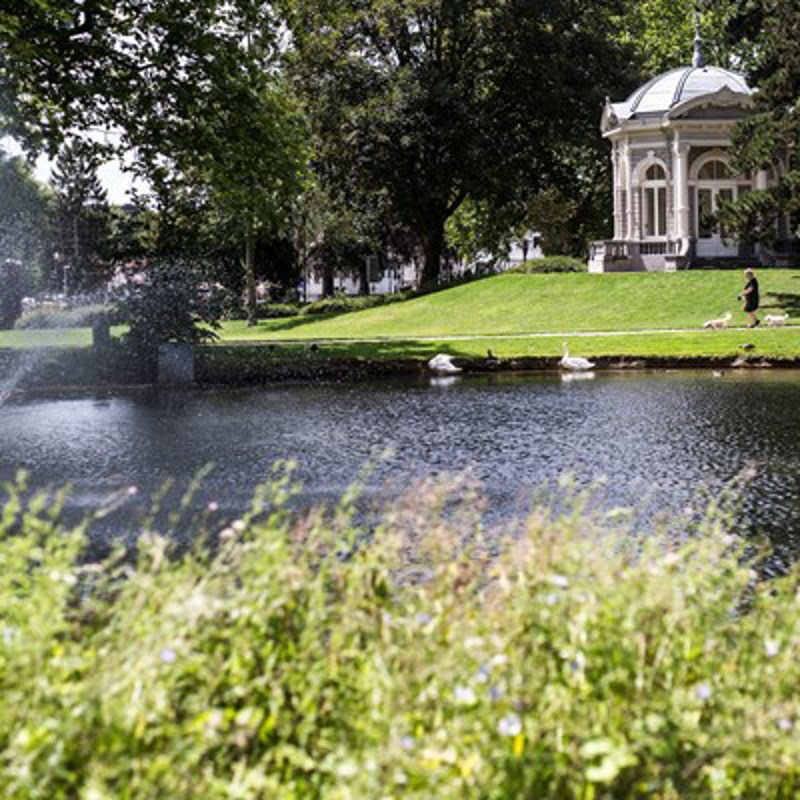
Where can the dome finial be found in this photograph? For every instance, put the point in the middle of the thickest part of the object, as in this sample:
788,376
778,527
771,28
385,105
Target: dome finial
698,60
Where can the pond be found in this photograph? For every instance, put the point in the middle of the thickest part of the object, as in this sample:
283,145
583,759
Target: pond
656,437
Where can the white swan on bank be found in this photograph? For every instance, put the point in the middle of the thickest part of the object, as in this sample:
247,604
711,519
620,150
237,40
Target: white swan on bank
574,363
443,364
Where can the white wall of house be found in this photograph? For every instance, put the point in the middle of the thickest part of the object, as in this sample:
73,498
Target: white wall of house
403,276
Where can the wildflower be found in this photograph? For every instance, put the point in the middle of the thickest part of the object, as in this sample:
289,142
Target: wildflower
496,693
238,525
213,506
551,599
227,533
771,648
8,635
482,675
133,491
408,743
464,696
785,724
168,655
510,725
422,619
703,692
499,660
561,581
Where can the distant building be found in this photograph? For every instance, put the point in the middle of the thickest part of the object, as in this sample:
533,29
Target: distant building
388,275
672,172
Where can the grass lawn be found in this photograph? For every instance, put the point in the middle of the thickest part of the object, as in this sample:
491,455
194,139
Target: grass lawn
30,339
516,304
512,314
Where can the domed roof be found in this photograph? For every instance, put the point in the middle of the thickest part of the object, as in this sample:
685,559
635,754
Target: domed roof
666,91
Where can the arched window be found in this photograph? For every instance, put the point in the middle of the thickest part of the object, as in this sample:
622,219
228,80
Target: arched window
714,171
654,201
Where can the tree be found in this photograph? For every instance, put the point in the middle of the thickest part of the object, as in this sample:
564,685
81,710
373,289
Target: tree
770,137
24,228
420,104
662,33
81,209
192,87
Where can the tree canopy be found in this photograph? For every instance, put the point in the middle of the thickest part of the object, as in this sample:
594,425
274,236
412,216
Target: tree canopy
418,104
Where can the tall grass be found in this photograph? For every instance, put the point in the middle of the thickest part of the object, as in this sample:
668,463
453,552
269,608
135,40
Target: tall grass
287,658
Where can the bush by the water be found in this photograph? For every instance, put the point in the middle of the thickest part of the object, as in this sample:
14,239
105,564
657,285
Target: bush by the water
304,658
550,264
51,316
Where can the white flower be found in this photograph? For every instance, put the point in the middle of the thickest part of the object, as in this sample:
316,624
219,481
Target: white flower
561,581
771,648
482,675
422,618
464,696
785,724
227,533
551,599
703,692
238,525
408,742
499,660
8,635
213,506
133,491
510,725
168,655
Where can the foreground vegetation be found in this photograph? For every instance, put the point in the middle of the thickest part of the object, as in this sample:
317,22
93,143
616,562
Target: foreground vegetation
305,658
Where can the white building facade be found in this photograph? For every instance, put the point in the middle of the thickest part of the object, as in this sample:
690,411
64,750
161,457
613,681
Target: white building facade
672,172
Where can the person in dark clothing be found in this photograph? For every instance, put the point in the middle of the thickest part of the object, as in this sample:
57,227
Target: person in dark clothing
750,297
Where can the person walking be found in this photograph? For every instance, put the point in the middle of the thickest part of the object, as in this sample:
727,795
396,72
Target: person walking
751,298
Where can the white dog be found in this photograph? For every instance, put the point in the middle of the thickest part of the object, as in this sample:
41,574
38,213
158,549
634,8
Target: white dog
776,320
719,324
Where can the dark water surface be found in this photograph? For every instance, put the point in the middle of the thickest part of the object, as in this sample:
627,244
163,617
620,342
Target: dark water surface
655,437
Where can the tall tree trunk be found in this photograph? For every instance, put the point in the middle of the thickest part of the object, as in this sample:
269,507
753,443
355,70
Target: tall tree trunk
363,277
432,251
328,286
250,279
76,251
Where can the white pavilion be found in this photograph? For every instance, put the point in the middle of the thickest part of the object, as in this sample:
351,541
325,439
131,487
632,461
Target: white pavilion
672,171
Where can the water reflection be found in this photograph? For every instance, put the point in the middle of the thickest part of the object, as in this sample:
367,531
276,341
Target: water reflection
656,437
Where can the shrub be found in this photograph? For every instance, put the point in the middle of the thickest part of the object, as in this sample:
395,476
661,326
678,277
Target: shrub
342,304
306,659
176,303
550,264
55,317
277,310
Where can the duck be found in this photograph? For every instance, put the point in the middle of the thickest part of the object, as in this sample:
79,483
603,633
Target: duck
574,363
443,364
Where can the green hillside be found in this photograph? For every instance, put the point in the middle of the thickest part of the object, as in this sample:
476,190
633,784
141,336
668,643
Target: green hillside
514,304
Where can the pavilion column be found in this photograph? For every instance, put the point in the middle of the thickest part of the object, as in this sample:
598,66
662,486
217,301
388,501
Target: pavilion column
681,188
629,199
615,163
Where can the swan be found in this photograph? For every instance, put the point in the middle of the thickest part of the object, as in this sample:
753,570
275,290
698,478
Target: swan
443,364
574,363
